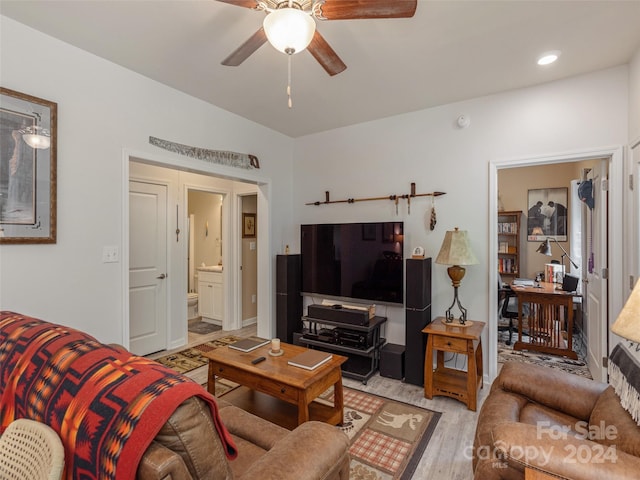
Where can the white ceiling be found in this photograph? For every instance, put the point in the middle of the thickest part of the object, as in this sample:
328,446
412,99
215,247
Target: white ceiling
449,51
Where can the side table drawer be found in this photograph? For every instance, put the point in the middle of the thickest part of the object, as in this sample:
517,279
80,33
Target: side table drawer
448,344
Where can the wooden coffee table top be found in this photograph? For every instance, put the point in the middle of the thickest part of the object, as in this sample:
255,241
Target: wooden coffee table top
275,368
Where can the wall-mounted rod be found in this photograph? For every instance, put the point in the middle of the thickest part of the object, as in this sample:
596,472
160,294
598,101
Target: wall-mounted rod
393,198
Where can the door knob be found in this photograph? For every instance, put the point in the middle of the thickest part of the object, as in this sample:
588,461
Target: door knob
162,276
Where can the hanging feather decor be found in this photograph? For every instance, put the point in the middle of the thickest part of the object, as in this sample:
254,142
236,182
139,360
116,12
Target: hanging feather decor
433,220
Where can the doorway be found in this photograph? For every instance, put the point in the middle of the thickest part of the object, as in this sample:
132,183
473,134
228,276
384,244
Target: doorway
178,182
610,294
205,285
519,188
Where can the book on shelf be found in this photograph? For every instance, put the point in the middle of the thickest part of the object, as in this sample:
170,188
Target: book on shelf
310,360
249,344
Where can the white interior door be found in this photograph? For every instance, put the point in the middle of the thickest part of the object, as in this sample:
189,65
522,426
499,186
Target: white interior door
595,290
147,267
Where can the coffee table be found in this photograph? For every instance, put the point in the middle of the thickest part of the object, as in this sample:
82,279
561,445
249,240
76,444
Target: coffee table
276,378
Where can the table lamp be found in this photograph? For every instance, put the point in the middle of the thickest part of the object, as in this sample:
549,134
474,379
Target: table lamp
627,324
545,249
456,251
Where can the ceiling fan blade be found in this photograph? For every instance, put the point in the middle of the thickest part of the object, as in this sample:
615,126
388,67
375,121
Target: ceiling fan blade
242,3
246,49
325,55
358,9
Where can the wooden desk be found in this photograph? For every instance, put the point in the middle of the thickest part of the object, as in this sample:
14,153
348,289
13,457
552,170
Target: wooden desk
550,319
277,378
450,382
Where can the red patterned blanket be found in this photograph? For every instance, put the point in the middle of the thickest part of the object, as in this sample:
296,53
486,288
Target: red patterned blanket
106,404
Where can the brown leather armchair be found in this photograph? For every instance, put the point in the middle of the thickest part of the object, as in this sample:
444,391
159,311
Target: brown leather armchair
555,422
188,447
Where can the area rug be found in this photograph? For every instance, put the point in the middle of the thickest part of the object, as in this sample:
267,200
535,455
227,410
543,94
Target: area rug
191,358
506,353
203,328
387,437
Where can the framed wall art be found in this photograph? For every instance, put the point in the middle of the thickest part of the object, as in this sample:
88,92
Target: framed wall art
547,214
28,150
248,225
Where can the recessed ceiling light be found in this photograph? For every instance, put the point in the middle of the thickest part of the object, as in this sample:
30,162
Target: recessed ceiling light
548,57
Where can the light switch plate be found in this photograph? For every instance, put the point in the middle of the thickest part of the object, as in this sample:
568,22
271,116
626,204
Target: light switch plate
110,254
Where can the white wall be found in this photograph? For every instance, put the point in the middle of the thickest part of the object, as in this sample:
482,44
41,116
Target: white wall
104,110
426,147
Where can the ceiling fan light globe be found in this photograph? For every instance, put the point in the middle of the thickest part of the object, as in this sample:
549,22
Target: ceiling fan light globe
289,30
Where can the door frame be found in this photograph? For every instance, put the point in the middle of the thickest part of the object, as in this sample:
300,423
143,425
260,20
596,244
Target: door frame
169,160
615,156
238,251
632,232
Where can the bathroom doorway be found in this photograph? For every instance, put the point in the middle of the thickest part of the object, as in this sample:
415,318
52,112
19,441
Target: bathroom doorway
205,285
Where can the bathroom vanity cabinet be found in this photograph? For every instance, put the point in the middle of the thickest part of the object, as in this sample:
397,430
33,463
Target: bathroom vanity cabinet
211,296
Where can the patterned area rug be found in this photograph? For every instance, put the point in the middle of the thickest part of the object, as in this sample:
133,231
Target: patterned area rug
191,358
507,354
387,437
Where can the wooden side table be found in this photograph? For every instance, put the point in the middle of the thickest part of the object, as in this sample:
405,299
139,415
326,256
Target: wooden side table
459,384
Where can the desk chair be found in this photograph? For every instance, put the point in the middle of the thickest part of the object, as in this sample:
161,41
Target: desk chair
509,310
31,450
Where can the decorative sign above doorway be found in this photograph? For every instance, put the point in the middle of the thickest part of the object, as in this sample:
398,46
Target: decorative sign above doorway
221,157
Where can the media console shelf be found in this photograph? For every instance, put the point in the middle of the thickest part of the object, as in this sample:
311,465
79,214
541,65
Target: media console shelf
363,362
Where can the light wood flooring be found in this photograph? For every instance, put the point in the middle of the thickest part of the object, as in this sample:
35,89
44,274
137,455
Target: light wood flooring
448,454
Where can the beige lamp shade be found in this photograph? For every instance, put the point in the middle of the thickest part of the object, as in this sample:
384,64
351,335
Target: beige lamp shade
455,249
627,324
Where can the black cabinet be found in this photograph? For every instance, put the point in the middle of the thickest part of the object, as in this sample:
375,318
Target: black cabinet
363,348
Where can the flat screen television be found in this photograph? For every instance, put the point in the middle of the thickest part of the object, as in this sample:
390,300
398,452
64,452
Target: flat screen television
362,261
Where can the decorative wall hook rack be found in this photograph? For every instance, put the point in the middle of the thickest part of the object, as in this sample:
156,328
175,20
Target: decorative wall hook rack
393,198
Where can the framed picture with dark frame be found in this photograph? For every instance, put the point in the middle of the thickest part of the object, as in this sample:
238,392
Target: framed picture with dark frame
248,225
28,150
547,214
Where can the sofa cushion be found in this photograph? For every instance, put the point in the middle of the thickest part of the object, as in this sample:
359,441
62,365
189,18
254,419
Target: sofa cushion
190,433
623,432
524,379
545,417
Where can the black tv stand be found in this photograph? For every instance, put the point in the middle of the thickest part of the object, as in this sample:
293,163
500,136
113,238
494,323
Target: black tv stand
363,362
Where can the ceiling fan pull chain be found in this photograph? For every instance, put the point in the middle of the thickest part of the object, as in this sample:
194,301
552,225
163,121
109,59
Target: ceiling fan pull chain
289,80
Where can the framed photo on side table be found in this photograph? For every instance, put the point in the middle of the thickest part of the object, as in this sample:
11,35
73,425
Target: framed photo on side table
28,149
248,225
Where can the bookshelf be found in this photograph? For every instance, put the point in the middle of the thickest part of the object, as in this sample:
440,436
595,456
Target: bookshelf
512,238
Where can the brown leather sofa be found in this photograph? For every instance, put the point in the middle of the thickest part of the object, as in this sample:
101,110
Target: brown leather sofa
188,447
554,422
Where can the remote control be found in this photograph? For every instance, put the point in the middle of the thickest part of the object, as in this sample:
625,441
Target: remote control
258,360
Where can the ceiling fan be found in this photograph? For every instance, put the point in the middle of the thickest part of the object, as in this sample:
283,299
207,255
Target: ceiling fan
283,14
